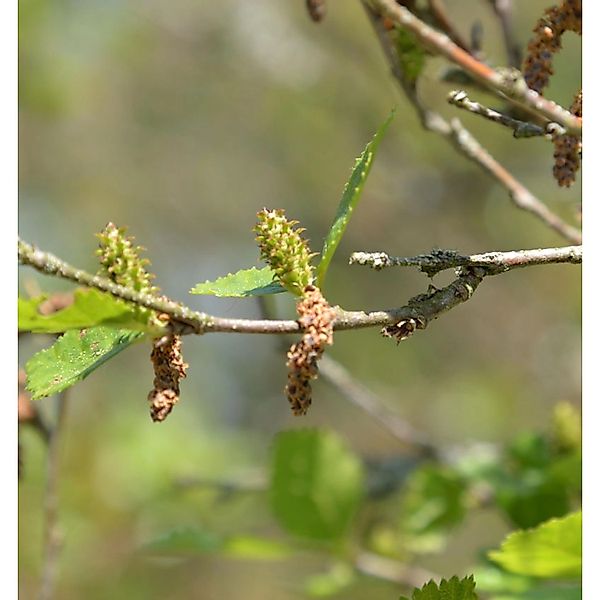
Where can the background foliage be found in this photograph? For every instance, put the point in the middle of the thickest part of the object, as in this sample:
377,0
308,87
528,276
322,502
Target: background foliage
181,120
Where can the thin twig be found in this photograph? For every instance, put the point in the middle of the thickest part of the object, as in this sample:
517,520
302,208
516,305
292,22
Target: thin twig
440,13
503,10
507,82
464,142
388,569
495,262
521,129
522,198
52,534
353,390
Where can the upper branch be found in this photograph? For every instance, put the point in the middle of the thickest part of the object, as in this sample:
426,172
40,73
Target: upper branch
509,83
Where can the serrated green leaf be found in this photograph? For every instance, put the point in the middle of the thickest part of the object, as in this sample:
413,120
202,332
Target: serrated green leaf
316,484
551,550
244,283
451,589
196,541
73,357
350,198
90,308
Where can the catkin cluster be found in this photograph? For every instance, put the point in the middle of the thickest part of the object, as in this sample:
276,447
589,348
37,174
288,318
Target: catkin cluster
316,318
282,247
567,150
169,369
537,66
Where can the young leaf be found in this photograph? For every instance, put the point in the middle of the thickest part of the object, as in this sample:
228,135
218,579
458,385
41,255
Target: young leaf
350,198
90,308
316,484
551,550
452,589
247,282
73,357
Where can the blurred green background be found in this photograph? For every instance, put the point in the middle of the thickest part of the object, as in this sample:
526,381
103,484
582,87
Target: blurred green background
181,120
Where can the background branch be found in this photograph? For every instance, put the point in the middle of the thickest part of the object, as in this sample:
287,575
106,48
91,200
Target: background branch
463,141
508,83
52,533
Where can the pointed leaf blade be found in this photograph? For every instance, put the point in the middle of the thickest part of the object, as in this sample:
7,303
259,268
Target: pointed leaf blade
350,197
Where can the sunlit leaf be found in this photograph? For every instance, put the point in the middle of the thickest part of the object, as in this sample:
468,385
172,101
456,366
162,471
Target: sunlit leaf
551,550
316,485
73,357
350,198
247,282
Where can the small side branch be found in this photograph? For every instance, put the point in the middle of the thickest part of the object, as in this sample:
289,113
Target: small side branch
521,129
52,534
338,376
494,262
522,198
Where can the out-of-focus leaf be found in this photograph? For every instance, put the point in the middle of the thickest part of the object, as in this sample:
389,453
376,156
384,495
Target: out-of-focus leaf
571,592
316,484
451,589
186,541
350,197
73,357
334,581
434,500
90,308
551,550
492,579
533,499
566,425
256,548
191,541
247,282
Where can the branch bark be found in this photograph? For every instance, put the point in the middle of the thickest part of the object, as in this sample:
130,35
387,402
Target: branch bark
494,262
